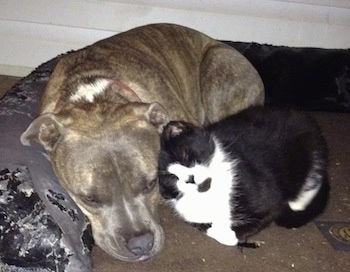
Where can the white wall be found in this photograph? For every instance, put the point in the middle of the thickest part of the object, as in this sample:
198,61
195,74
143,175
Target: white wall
34,31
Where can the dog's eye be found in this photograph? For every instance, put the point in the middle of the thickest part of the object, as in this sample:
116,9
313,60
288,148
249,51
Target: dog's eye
91,200
149,186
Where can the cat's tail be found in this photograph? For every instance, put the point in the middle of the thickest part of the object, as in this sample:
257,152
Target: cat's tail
293,219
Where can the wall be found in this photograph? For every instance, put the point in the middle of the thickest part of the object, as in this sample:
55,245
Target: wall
32,32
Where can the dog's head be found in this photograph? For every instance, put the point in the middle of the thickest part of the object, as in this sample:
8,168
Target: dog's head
107,160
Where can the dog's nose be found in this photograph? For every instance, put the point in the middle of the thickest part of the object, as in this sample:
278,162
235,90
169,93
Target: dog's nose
141,244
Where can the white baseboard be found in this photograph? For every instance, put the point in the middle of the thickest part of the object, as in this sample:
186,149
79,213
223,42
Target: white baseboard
40,30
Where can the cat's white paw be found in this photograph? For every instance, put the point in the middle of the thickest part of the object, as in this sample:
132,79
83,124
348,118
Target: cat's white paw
224,236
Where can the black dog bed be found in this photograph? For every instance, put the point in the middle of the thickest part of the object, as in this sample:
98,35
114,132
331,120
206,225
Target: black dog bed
310,79
41,228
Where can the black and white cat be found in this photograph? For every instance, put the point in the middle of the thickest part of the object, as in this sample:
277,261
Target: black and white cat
237,176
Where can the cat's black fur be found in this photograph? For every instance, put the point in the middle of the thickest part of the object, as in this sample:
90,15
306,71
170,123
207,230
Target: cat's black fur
274,149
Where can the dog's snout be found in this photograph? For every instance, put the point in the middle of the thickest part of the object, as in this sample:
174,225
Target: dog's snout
141,244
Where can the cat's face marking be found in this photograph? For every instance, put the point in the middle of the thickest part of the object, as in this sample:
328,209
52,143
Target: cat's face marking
204,186
189,151
191,179
192,159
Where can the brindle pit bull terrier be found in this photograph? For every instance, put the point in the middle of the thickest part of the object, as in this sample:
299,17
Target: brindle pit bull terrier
104,108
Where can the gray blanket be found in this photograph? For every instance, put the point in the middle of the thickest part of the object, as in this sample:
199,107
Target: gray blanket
42,229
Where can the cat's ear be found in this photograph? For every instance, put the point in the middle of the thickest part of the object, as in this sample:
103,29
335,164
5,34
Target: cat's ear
176,128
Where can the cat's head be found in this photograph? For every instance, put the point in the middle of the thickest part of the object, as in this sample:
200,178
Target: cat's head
186,144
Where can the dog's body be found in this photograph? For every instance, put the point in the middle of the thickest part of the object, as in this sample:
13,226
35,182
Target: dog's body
102,112
244,172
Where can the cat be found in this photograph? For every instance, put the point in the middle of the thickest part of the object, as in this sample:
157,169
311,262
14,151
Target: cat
234,177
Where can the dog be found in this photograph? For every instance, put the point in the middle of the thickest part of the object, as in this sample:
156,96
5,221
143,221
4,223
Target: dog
103,111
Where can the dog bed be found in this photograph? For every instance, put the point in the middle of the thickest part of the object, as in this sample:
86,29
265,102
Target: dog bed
31,198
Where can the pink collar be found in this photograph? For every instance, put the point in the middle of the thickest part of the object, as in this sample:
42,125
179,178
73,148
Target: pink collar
126,88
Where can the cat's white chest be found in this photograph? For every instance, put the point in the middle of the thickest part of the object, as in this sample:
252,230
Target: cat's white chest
195,207
208,204
211,205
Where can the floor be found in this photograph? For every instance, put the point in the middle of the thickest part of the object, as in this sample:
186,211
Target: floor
6,82
304,249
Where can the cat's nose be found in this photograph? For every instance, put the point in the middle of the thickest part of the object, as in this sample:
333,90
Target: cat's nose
190,179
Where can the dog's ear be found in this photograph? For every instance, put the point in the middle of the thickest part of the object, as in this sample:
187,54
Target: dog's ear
45,130
157,116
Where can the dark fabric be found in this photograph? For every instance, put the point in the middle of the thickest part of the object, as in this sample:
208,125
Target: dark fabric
311,79
30,237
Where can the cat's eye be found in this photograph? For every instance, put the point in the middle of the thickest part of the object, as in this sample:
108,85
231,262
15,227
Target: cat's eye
185,155
186,158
